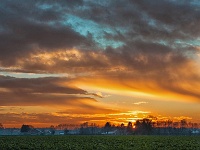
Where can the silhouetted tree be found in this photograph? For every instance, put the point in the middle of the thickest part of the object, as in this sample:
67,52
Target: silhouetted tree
52,130
66,131
107,127
183,123
26,128
93,127
169,123
1,126
129,128
122,129
143,126
84,129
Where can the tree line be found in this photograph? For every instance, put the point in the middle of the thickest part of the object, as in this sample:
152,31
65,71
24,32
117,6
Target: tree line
143,126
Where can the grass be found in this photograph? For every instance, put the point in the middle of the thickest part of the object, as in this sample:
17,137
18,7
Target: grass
100,142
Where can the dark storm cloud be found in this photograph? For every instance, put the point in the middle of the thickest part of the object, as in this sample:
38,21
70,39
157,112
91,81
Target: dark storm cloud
184,15
49,85
32,26
138,56
26,27
158,19
52,100
156,37
42,91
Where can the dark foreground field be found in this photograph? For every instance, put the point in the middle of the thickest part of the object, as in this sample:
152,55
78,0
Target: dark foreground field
100,142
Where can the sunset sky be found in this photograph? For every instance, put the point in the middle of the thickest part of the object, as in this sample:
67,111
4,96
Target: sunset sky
72,61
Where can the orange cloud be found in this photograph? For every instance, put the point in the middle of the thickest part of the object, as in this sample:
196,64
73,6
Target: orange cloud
144,55
47,119
174,89
139,103
167,73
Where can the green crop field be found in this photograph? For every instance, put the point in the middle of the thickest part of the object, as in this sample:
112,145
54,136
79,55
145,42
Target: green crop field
100,142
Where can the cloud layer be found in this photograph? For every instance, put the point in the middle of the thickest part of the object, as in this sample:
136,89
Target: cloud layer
143,46
41,92
159,41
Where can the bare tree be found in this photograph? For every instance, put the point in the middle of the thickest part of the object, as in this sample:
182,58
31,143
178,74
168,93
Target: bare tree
129,128
143,126
107,127
1,126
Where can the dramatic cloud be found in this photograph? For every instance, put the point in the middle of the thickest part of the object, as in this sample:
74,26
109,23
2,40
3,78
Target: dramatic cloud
27,27
147,47
42,91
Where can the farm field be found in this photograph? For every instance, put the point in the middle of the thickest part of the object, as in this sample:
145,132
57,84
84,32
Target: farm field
82,142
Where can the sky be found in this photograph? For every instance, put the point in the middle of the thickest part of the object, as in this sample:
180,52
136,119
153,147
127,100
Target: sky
91,61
